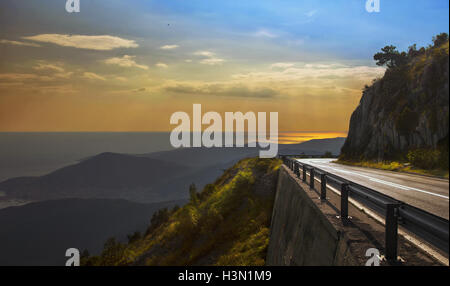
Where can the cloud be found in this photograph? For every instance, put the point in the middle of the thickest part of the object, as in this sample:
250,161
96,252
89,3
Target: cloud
57,69
64,75
311,13
169,47
209,58
142,89
297,42
18,43
32,77
206,54
212,61
308,72
326,66
264,34
237,90
121,78
313,79
46,66
281,65
100,43
162,65
93,76
18,76
125,61
40,87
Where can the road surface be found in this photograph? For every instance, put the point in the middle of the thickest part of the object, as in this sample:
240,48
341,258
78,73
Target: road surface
427,193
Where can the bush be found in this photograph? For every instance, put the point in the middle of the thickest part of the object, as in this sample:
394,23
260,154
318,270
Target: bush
194,199
159,218
112,252
327,154
440,39
134,237
425,158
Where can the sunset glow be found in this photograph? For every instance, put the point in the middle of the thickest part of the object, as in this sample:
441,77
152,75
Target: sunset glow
88,72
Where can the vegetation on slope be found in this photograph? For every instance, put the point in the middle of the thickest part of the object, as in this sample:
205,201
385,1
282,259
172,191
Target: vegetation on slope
397,167
225,224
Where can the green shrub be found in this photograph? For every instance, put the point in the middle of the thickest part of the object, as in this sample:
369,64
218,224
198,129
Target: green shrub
327,154
134,237
159,218
425,158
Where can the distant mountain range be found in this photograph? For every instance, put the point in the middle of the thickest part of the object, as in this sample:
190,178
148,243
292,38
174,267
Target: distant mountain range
39,233
153,177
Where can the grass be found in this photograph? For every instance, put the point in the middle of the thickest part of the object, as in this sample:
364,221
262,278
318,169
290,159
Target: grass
397,167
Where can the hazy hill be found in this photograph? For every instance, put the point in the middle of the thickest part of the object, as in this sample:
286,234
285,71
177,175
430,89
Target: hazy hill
154,177
405,114
315,147
40,233
201,157
107,175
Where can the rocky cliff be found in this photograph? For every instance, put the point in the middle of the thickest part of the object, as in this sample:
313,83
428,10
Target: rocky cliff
407,109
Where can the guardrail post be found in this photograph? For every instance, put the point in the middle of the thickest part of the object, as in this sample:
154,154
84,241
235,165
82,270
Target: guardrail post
344,201
304,173
311,178
323,187
296,170
391,231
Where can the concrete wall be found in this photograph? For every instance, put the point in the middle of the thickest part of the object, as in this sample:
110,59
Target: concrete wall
301,233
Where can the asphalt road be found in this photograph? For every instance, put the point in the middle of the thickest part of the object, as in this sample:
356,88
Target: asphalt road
427,193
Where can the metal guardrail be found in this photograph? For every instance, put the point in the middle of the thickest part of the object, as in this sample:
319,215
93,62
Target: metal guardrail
429,227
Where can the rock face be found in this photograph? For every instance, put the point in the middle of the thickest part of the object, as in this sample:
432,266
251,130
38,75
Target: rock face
406,109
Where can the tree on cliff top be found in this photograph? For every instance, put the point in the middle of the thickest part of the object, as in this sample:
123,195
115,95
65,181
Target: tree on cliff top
440,39
390,57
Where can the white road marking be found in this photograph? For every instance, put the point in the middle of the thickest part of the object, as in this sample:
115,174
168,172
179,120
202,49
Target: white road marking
402,187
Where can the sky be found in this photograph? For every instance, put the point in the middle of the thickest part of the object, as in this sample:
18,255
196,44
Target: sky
129,65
